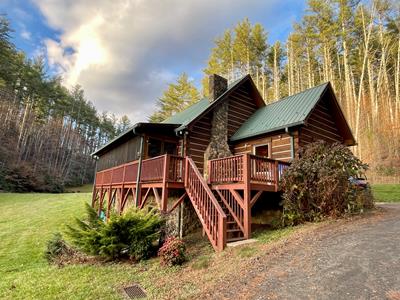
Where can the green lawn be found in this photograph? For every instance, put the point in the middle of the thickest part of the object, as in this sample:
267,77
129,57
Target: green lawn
386,192
27,221
86,188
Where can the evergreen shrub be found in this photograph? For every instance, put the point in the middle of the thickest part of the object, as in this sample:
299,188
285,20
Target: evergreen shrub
56,247
130,235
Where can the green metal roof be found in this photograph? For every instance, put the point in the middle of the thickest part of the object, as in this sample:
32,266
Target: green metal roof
186,116
290,111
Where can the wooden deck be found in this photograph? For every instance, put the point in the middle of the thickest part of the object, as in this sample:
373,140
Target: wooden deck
246,170
223,202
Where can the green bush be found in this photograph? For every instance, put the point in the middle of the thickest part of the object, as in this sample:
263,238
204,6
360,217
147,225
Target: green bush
173,252
317,184
56,247
131,234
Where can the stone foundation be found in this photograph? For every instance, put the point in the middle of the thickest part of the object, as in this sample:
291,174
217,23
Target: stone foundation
185,214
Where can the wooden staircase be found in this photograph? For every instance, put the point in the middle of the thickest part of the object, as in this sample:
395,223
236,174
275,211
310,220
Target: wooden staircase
208,209
219,218
234,231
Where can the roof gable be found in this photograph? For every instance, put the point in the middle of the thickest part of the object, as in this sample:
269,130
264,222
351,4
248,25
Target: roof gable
194,112
287,112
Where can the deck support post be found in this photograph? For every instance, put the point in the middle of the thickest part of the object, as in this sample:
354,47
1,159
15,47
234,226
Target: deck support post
138,197
276,175
94,189
247,195
101,199
110,192
164,193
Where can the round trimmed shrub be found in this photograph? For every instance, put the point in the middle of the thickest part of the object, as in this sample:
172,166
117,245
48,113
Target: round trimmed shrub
173,252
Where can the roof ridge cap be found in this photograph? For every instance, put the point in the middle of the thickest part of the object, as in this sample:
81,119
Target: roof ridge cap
279,100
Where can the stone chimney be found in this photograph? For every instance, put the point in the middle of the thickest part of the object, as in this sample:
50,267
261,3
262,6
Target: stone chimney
217,85
218,146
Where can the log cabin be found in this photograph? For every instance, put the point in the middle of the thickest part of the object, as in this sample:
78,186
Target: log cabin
219,157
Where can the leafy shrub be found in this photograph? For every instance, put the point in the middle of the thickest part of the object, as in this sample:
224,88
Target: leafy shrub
56,247
131,234
317,184
173,252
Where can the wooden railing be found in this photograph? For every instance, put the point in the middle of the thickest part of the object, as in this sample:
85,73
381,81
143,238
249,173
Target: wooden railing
236,208
206,205
233,169
176,168
228,169
152,171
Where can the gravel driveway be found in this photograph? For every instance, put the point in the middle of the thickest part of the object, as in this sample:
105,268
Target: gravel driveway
352,259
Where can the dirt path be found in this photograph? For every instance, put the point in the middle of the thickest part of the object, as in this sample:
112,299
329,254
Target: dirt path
357,259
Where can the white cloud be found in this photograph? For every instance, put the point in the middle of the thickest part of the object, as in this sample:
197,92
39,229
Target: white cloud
124,52
26,35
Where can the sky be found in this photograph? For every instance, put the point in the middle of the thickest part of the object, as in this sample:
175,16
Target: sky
125,52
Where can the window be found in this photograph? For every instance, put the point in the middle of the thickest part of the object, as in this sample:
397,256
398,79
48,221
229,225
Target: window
169,148
262,150
158,147
154,148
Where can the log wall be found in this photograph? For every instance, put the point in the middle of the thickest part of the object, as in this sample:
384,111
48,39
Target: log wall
320,126
241,107
198,140
126,152
279,144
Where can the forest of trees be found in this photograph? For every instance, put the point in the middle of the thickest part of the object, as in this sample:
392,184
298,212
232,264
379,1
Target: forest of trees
351,43
47,132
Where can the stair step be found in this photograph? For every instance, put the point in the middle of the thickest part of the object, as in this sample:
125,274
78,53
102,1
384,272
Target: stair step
235,239
233,230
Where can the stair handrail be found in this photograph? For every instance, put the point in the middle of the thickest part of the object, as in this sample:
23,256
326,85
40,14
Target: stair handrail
219,243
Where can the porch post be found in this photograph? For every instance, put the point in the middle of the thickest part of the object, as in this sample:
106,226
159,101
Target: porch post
164,194
94,190
247,195
139,172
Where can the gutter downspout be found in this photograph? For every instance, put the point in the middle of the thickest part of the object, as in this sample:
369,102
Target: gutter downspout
139,172
291,142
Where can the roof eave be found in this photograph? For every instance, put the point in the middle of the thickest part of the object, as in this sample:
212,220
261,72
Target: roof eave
232,139
135,131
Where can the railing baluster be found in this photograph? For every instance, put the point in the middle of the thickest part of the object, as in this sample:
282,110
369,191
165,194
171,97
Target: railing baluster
210,212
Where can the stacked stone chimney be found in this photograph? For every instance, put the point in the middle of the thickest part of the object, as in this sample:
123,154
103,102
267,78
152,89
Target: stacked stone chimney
217,85
218,146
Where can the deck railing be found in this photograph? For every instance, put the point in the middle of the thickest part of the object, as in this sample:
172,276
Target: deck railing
152,171
206,205
227,169
232,169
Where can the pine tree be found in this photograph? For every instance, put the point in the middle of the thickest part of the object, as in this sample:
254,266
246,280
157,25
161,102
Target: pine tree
123,125
239,52
177,97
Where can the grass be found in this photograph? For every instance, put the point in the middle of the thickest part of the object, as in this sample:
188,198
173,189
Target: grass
202,262
27,222
86,188
268,236
386,192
